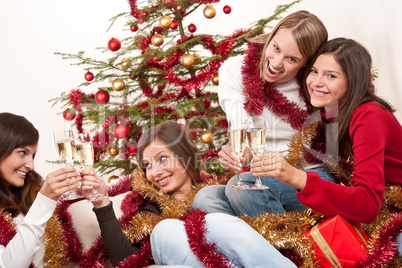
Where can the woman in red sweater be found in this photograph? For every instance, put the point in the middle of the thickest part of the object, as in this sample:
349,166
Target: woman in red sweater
365,136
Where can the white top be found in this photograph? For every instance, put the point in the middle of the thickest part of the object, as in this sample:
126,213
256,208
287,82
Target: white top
28,245
232,99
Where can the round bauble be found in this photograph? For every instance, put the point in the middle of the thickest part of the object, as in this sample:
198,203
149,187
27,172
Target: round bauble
89,76
114,44
192,28
112,178
187,60
206,136
102,97
113,150
197,58
215,79
165,21
69,114
121,131
124,63
157,40
174,25
131,149
118,84
93,115
227,9
209,12
134,27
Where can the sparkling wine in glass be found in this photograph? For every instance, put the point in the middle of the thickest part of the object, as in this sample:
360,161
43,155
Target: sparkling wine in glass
85,154
64,141
256,140
237,141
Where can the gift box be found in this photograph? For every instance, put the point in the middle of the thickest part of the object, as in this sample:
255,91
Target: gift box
338,242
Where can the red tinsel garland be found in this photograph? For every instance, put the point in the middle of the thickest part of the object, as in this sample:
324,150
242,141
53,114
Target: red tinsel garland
7,231
260,93
385,244
194,222
97,254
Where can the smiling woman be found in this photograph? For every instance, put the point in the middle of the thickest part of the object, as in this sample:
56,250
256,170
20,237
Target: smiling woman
169,160
23,200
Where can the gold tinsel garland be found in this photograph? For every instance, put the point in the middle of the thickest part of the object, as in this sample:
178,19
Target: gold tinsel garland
280,230
55,250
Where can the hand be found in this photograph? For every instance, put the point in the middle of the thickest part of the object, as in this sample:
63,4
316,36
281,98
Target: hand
228,160
60,181
92,181
274,165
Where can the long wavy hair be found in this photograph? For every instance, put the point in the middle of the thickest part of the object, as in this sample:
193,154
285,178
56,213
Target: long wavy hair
355,61
178,141
15,132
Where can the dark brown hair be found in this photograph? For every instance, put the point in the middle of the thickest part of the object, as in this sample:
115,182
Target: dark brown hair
355,61
178,141
16,132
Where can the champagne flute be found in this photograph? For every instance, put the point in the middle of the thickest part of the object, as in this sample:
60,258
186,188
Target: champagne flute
256,140
237,141
64,141
85,154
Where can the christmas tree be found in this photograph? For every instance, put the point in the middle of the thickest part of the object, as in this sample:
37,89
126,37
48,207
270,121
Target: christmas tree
161,71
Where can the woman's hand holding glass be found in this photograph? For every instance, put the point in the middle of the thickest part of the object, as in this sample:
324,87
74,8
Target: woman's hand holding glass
91,183
59,182
275,165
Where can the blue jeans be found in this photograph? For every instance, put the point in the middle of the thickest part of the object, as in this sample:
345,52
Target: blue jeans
280,197
399,242
233,237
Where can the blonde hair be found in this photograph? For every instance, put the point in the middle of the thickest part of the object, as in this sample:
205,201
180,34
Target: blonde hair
308,31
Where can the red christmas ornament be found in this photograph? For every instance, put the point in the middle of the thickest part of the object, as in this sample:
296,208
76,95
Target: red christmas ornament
134,28
69,114
114,44
121,131
102,97
192,28
227,9
174,25
131,149
89,76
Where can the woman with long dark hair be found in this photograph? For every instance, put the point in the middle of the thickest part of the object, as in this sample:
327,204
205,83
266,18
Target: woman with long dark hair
26,201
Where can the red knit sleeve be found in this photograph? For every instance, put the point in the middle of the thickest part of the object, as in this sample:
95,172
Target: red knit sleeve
362,201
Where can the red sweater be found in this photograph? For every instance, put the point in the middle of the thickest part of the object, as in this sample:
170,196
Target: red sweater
377,145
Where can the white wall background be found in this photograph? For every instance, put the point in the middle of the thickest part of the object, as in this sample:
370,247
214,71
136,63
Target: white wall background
31,31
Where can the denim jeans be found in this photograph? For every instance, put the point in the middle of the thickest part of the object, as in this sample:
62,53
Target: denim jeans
399,243
280,197
234,238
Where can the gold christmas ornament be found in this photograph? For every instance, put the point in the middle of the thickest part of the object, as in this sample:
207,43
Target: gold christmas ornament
206,136
118,84
165,21
197,58
187,60
215,79
157,40
124,63
113,150
112,178
209,12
